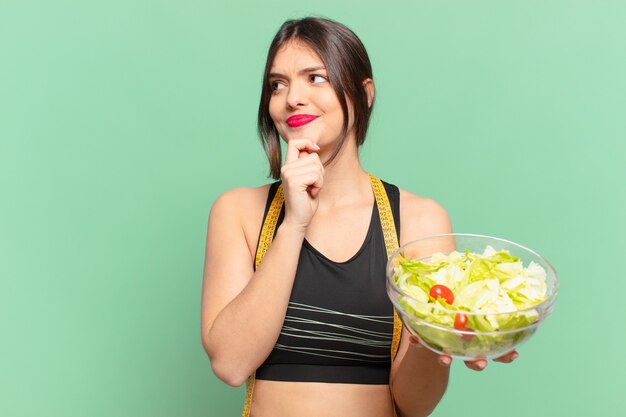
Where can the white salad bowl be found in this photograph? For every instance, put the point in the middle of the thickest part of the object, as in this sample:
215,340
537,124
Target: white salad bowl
498,305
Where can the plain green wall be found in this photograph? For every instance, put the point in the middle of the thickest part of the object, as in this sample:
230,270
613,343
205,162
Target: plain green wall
122,121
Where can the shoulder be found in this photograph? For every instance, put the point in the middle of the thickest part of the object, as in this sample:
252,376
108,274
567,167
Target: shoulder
239,212
421,216
242,194
240,200
242,206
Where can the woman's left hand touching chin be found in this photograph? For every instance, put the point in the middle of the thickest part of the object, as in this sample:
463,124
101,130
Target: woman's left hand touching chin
476,364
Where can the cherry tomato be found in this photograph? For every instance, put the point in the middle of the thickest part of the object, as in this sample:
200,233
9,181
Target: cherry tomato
467,336
442,291
460,323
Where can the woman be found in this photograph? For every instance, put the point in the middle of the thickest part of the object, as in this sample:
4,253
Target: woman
312,323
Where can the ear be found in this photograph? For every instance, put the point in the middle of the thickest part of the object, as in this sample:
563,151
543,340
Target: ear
369,90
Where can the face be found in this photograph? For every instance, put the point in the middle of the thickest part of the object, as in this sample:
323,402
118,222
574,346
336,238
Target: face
303,104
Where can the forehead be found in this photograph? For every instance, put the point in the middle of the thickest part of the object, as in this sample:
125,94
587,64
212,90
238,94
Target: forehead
295,55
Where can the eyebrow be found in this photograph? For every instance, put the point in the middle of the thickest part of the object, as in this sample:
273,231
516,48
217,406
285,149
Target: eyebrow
302,71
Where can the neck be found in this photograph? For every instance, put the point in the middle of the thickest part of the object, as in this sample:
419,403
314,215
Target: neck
345,180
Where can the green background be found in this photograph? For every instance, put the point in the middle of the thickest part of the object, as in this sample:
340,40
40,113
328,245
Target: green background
122,121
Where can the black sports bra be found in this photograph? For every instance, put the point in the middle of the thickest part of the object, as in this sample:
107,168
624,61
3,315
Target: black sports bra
339,322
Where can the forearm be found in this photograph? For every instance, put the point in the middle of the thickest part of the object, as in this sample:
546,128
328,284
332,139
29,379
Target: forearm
419,383
246,330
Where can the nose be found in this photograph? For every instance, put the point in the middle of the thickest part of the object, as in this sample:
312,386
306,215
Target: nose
296,95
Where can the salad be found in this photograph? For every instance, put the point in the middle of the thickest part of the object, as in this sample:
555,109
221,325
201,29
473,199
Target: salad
483,297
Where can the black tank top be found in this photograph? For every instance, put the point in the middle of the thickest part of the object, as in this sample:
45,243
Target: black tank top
339,322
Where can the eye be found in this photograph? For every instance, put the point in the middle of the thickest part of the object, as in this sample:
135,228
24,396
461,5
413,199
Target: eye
317,79
276,85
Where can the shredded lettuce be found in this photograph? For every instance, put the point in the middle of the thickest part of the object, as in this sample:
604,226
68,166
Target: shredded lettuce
494,287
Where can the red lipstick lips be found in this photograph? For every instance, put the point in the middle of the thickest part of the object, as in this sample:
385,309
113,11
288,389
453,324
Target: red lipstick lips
300,120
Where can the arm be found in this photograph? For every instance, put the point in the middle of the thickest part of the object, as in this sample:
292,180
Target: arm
418,377
419,381
242,309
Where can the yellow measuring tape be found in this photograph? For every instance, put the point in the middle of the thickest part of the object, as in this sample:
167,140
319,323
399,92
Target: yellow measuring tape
391,244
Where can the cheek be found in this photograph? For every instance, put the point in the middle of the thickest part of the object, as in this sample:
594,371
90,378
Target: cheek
276,115
331,105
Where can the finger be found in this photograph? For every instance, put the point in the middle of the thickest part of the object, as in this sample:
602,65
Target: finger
304,158
304,179
295,146
415,341
292,173
507,358
476,365
316,186
310,163
314,191
445,360
308,173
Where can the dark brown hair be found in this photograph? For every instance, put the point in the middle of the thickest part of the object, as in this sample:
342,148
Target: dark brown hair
348,66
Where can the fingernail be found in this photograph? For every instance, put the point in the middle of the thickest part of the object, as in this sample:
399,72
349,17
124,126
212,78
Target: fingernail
445,361
481,364
514,355
414,341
